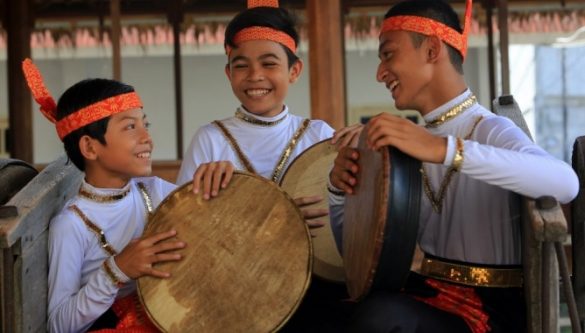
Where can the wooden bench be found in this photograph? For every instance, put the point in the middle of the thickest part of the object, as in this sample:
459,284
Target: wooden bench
578,229
23,241
544,229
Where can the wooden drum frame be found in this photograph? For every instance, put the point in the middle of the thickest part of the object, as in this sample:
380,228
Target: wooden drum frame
381,220
246,266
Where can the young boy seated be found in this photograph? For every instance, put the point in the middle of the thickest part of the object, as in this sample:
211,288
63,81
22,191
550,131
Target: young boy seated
95,246
263,136
473,160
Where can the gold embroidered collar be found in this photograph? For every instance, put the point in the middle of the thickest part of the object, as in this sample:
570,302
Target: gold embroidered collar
452,113
103,198
255,121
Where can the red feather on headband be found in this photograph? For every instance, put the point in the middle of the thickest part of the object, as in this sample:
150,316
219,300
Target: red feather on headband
40,93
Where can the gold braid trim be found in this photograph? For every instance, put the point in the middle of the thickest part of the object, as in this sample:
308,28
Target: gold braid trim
232,141
437,200
285,156
102,198
254,121
145,197
452,113
96,230
111,275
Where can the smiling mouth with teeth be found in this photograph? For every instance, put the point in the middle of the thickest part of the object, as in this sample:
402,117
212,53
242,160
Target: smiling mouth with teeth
392,85
257,92
144,155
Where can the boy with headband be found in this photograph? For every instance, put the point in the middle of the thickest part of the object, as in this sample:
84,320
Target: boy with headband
473,160
95,246
263,136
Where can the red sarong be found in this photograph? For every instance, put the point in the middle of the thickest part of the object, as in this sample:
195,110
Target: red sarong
132,317
461,301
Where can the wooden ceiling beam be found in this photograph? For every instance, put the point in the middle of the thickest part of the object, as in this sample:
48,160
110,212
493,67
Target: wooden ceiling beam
62,9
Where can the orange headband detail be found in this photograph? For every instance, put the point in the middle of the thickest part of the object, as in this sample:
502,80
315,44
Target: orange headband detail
262,3
79,118
263,33
430,27
97,111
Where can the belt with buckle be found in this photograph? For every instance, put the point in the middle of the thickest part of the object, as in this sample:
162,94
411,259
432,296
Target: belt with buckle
471,275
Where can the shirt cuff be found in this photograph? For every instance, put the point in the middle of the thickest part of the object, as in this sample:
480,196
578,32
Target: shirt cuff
123,278
335,199
451,150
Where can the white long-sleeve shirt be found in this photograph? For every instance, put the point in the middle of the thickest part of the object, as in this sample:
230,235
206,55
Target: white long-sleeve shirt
80,291
262,145
475,224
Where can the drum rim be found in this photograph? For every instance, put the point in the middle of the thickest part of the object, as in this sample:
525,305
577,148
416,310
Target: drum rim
299,156
383,266
321,268
306,283
406,242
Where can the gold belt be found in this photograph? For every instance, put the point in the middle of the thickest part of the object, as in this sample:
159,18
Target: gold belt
471,275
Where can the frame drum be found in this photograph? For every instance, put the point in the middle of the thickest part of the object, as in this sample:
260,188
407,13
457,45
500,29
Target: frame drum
307,176
246,266
381,220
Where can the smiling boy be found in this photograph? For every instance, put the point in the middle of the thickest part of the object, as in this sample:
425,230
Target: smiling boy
95,246
263,136
473,161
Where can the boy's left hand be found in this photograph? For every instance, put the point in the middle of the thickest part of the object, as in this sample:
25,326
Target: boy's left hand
347,136
212,176
312,213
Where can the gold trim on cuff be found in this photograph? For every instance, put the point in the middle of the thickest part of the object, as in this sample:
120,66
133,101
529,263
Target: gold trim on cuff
111,275
458,158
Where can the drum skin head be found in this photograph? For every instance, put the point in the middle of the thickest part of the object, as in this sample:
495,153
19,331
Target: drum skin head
381,221
307,176
246,266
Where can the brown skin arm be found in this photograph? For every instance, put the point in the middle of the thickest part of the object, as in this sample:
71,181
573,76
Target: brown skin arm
139,255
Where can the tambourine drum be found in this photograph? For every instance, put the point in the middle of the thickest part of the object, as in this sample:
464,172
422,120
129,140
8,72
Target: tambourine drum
381,220
307,176
246,266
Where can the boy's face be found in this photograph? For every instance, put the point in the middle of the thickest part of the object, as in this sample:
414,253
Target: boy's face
126,154
259,75
403,69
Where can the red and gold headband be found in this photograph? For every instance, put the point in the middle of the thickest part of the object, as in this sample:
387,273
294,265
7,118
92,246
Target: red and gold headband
81,117
263,33
430,27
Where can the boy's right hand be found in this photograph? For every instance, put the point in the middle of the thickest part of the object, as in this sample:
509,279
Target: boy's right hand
139,255
212,176
345,168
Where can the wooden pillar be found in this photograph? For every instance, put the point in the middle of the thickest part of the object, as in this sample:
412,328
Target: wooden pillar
489,12
327,61
176,18
18,22
115,17
504,45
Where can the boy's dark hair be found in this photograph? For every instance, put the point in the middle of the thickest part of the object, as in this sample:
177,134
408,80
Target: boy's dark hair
276,18
78,96
436,10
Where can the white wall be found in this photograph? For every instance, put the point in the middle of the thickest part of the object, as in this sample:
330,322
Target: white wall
207,94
